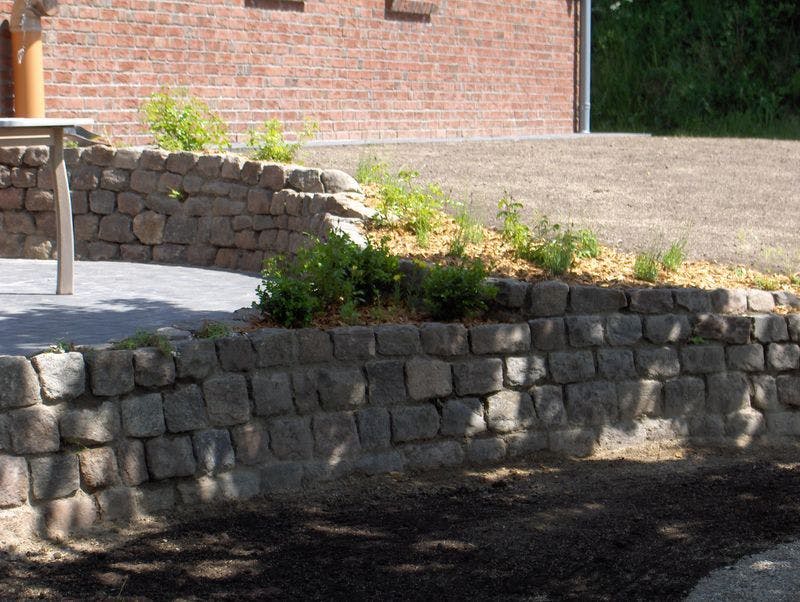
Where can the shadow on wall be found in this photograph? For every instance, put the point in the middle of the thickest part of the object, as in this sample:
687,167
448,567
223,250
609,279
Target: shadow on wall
557,528
6,89
292,5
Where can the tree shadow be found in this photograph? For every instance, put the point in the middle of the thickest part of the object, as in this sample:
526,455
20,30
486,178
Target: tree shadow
550,527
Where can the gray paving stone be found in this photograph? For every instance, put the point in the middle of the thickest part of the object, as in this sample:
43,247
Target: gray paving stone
91,426
761,301
783,356
428,379
169,457
728,392
398,339
527,442
132,463
275,347
463,417
623,329
684,396
281,477
227,401
548,334
353,343
241,484
374,427
509,411
62,375
639,398
592,403
387,384
444,339
484,451
658,362
306,393
729,301
335,435
585,331
525,371
111,372
578,442
34,430
236,353
314,346
437,454
54,476
793,323
413,423
380,463
152,368
703,359
291,438
98,468
19,385
728,329
651,300
745,425
747,358
272,393
571,366
196,359
769,329
782,424
13,481
789,390
143,415
669,328
341,388
616,364
251,444
478,376
185,409
547,299
213,450
765,393
511,293
500,338
596,300
549,403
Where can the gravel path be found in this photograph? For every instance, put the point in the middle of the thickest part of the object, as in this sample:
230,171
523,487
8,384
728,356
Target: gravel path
736,201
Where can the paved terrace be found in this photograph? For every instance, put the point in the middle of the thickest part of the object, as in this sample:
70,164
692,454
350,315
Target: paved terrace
112,300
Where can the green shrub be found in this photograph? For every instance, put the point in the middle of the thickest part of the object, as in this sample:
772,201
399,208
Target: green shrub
587,245
288,300
213,330
767,283
646,266
453,292
513,231
143,338
370,170
468,231
674,256
555,255
181,122
270,144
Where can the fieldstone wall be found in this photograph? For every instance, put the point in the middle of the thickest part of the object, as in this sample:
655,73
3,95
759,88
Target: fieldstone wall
148,205
107,434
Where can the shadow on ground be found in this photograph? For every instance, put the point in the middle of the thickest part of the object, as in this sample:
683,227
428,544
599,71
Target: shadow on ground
553,528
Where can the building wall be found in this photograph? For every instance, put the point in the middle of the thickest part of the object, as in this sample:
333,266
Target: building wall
362,70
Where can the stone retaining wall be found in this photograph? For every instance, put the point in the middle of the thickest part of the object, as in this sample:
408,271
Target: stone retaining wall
148,205
104,434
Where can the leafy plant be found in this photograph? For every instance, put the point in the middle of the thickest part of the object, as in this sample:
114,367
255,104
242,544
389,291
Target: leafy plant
60,346
289,300
143,338
176,194
795,279
646,266
767,283
514,232
270,144
371,170
453,292
181,122
697,340
587,245
416,208
469,231
213,330
674,256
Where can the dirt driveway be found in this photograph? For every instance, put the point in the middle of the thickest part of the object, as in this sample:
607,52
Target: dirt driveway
736,201
627,527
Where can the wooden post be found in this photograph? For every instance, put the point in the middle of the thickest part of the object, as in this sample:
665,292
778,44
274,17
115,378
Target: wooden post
66,244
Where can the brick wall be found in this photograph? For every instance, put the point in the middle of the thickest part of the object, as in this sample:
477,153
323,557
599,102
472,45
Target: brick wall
362,68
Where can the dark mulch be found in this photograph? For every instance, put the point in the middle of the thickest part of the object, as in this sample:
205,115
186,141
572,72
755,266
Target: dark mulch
546,529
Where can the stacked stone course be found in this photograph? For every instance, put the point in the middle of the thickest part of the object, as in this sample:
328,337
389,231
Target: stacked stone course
109,434
147,205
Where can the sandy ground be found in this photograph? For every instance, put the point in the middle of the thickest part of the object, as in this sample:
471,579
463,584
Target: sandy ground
734,200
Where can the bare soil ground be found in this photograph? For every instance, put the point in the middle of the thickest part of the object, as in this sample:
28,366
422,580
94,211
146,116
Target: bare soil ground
736,201
626,526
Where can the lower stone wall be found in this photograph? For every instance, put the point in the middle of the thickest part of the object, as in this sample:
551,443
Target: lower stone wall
109,434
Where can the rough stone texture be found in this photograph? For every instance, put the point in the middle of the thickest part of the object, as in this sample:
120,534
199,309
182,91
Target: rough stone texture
478,376
549,403
68,516
272,393
659,362
169,457
184,409
13,481
592,403
684,396
54,476
547,299
397,339
511,293
789,390
585,331
728,392
306,394
213,451
291,438
412,423
548,334
639,398
227,401
519,444
62,375
483,451
335,435
623,329
111,372
33,430
670,328
463,417
91,426
595,300
768,329
571,366
444,339
132,463
275,347
783,356
196,359
575,442
761,301
793,322
428,379
374,427
747,358
152,368
500,338
729,301
728,329
236,354
353,343
703,359
651,300
314,346
19,386
98,468
427,456
744,425
765,393
143,416
251,444
386,382
341,388
509,411
525,371
616,364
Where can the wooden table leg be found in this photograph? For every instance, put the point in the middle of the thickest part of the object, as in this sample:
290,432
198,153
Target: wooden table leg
64,235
